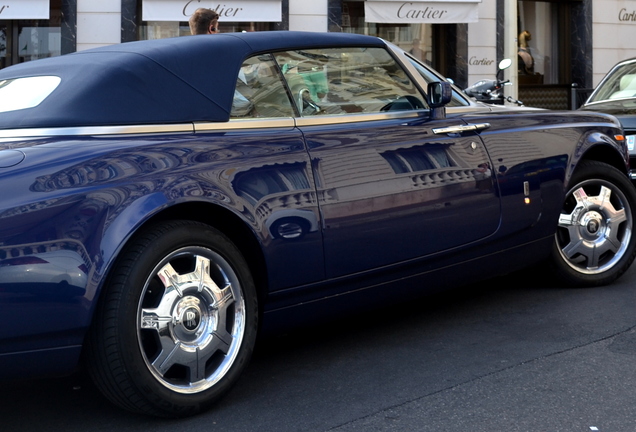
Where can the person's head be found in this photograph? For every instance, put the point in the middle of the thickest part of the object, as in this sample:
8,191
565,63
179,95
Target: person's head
204,21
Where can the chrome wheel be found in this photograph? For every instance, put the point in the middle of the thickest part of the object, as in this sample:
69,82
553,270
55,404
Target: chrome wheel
594,242
595,227
191,320
177,322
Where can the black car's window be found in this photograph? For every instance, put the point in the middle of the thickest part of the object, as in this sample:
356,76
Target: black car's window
430,77
260,91
620,83
347,80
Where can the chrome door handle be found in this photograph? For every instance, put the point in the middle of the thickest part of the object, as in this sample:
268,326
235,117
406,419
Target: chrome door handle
461,128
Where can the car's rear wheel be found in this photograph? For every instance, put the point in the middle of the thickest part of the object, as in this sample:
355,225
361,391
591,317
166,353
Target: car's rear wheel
595,242
177,323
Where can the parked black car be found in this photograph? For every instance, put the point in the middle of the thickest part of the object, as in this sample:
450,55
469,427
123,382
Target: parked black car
616,95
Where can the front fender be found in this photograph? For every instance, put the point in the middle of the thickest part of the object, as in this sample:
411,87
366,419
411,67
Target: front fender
607,146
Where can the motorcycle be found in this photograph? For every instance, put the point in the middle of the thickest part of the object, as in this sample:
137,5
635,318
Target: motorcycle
491,91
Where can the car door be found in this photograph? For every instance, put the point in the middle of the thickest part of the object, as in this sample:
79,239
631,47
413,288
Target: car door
392,184
269,174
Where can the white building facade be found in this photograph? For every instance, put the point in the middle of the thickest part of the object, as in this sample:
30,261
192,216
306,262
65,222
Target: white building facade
554,43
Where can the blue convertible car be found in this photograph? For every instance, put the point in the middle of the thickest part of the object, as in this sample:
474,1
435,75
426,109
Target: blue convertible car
164,201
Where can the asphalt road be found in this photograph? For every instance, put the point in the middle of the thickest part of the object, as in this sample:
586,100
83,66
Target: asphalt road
515,354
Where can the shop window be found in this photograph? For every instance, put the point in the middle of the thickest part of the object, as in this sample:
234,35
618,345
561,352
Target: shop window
543,43
545,53
168,29
26,40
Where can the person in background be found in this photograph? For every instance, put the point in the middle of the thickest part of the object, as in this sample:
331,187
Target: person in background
204,21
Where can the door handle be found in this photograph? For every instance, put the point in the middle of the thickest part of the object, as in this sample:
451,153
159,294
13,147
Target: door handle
461,128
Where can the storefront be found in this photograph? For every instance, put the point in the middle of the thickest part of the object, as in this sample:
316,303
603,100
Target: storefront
554,50
560,42
157,19
34,29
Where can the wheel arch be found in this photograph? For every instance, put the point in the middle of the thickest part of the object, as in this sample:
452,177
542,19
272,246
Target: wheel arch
607,154
230,225
600,147
223,219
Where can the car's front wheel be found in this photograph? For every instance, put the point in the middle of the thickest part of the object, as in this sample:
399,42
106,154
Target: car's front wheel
177,323
595,242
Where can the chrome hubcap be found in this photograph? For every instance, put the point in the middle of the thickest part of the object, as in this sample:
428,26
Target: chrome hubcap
594,227
191,320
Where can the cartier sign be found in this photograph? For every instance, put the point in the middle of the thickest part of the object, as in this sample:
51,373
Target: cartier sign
431,11
24,9
625,15
476,61
231,10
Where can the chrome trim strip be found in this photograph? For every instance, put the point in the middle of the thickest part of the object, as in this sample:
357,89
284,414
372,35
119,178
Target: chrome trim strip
234,124
355,118
11,134
95,130
250,123
461,128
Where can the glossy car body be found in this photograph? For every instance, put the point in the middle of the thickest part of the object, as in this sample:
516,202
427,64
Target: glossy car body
616,95
210,186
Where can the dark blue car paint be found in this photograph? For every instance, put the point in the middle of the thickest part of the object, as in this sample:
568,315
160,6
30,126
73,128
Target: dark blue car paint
373,216
63,198
91,194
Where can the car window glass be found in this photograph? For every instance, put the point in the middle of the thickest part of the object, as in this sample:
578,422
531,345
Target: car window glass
260,91
347,80
27,92
430,77
621,83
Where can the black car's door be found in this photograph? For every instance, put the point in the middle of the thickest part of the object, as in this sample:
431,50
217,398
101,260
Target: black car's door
392,184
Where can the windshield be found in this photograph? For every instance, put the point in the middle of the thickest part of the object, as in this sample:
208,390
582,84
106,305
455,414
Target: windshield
430,77
27,92
619,83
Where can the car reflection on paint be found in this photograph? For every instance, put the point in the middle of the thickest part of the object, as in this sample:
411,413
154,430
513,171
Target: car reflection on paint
52,274
164,202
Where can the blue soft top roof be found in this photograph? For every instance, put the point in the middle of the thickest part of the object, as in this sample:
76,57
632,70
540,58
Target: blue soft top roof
175,80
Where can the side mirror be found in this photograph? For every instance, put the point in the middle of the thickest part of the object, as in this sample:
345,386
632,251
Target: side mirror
505,64
439,94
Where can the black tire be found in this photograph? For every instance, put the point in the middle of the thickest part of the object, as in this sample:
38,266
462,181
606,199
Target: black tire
595,241
177,322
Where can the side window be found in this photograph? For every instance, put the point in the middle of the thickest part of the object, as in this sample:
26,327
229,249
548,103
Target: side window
347,80
259,90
